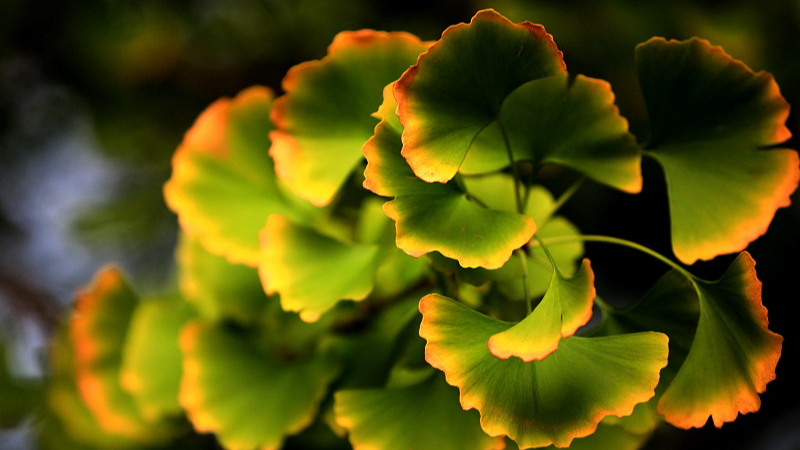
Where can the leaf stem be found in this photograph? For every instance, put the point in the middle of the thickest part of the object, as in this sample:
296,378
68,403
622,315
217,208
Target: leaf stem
622,242
524,261
514,169
566,195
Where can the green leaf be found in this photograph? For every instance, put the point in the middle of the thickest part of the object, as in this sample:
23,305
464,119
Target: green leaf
544,402
223,185
575,124
710,118
219,289
566,306
311,271
20,397
438,217
99,331
424,416
733,355
151,361
249,397
324,118
459,85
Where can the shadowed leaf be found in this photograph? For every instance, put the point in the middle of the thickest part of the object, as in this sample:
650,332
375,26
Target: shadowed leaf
710,117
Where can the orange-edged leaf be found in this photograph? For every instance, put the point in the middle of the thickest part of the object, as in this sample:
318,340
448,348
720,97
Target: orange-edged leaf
566,306
546,402
458,86
324,118
223,184
733,355
438,217
311,271
99,330
151,361
423,416
250,398
710,119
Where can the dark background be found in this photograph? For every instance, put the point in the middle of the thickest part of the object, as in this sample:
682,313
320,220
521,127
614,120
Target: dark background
96,95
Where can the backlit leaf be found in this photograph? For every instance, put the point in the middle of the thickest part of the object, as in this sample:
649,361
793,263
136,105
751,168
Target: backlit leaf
151,361
311,271
248,396
99,331
566,306
223,185
733,355
710,118
438,217
546,402
423,416
458,86
324,118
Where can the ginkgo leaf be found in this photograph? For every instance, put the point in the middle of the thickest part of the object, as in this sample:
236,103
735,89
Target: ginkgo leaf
566,306
546,402
218,289
438,217
424,416
710,119
458,86
223,184
324,118
151,361
733,355
575,124
67,420
312,271
247,396
99,330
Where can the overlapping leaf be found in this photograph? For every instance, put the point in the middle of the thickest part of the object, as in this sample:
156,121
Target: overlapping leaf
220,290
437,217
99,331
324,118
223,184
733,355
248,396
458,86
710,118
312,271
424,416
566,306
545,402
151,360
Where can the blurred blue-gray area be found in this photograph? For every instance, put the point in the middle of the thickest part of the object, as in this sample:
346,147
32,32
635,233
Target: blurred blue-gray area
95,95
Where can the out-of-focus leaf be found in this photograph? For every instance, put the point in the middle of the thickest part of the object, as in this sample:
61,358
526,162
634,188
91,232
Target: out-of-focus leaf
223,185
710,119
324,118
19,396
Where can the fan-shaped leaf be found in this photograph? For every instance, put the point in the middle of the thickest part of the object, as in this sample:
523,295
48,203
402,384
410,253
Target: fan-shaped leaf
311,271
151,361
99,331
457,87
566,306
438,217
248,397
544,402
219,289
223,184
733,355
324,118
424,416
710,117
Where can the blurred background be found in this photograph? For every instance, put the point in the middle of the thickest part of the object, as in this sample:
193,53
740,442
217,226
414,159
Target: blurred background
95,95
